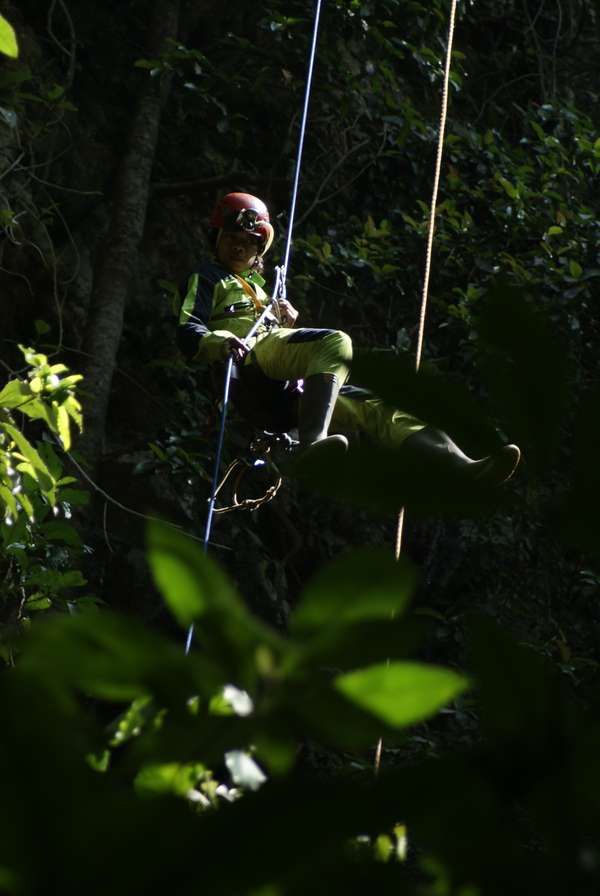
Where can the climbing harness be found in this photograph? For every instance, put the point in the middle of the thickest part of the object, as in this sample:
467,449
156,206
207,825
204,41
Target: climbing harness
278,293
428,259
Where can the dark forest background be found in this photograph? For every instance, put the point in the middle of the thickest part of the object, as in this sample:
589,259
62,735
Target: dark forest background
121,124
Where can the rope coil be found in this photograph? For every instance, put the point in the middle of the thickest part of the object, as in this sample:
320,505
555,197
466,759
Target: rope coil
246,503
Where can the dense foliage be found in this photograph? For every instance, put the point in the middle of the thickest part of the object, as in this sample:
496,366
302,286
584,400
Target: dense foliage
247,766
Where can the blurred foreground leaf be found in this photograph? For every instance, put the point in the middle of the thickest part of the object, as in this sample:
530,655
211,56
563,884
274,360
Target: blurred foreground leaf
524,365
366,584
401,693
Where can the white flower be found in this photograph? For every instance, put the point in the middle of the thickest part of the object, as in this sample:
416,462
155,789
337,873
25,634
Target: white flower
231,794
244,770
240,701
195,796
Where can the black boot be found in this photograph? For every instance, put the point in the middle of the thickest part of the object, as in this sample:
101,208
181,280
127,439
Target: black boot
436,447
316,407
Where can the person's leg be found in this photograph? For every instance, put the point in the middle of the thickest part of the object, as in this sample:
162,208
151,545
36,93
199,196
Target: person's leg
435,446
381,423
421,443
319,357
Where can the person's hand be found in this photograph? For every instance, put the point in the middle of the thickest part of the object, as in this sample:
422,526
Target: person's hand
236,348
287,313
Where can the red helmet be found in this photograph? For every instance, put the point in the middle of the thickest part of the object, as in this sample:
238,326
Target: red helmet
242,211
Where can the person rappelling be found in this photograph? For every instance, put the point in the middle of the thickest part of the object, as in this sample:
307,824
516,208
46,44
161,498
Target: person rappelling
296,377
225,297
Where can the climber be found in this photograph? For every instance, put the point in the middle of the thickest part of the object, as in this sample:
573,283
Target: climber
225,296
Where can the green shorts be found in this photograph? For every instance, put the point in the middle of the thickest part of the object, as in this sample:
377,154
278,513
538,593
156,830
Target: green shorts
286,354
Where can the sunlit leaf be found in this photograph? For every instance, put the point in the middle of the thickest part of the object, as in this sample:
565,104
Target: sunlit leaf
14,394
8,39
40,469
64,430
9,500
401,693
26,504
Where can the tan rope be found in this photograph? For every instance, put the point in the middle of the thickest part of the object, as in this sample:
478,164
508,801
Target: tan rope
436,184
428,258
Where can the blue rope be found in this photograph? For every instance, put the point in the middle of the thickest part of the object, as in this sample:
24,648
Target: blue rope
279,291
213,492
307,92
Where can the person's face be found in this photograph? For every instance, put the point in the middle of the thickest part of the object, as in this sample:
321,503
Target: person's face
237,251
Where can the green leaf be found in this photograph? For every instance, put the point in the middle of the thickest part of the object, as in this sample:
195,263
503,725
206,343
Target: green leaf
366,584
53,462
38,603
64,429
73,408
7,497
150,64
54,581
41,327
99,762
168,777
525,366
191,582
37,409
41,471
74,496
55,92
57,530
69,381
575,269
157,778
508,187
26,505
555,230
401,693
8,39
14,394
116,659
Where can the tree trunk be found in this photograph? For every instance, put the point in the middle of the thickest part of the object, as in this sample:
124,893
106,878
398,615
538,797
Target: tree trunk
130,202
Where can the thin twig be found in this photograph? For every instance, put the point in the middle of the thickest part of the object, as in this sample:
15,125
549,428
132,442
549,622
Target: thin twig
13,165
22,276
500,89
68,52
130,510
340,162
105,528
557,37
204,185
48,183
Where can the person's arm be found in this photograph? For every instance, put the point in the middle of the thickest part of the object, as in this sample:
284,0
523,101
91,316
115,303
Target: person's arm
196,341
